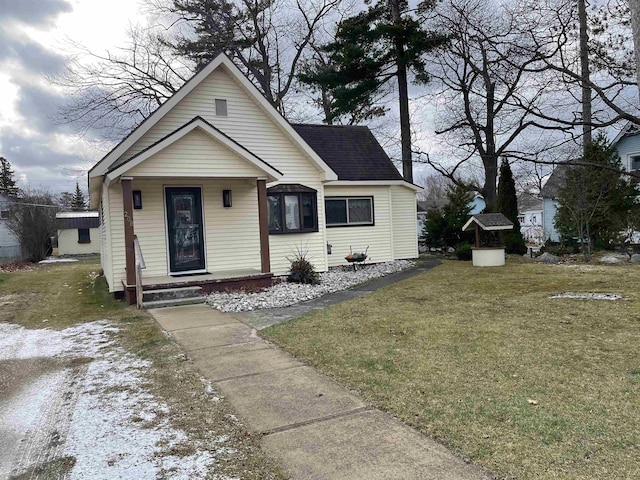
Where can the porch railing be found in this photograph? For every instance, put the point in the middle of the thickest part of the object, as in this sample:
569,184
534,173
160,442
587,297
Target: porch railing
140,265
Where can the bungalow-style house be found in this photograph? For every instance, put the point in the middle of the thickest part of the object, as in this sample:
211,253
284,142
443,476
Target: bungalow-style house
10,249
216,188
78,233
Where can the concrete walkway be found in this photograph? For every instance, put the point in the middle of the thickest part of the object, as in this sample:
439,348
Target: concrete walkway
313,426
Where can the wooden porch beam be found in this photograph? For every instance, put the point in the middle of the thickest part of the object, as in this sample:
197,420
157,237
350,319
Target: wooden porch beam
129,248
263,221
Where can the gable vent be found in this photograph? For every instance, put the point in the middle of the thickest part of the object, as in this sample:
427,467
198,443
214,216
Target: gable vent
221,107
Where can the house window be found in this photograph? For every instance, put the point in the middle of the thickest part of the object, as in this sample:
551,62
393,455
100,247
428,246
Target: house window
292,210
634,162
4,214
349,211
221,107
83,235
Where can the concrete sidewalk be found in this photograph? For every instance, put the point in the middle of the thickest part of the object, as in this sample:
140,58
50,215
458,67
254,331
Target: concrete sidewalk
313,426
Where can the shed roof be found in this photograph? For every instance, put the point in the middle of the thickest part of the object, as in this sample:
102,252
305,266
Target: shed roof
351,151
489,221
74,220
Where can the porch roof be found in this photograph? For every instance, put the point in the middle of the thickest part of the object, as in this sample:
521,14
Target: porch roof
271,173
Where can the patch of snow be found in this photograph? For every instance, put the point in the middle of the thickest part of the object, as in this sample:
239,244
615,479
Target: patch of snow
116,427
58,260
289,293
590,296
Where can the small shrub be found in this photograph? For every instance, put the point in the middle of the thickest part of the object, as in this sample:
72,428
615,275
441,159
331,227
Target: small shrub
463,251
302,270
514,243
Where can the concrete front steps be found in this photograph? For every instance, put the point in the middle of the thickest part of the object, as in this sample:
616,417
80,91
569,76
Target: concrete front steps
172,297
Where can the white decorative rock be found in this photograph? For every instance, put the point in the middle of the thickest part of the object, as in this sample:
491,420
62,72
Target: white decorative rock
549,258
610,259
635,258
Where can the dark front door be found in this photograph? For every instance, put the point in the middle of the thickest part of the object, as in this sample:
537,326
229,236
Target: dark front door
184,224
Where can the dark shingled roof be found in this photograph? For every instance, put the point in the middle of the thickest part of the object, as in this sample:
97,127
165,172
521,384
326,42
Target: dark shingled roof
351,151
493,219
555,182
77,222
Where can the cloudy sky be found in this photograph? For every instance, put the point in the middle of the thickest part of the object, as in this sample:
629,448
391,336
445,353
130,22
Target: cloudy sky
35,36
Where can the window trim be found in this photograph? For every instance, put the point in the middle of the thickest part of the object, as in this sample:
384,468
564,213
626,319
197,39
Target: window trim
220,111
299,193
88,239
347,198
630,157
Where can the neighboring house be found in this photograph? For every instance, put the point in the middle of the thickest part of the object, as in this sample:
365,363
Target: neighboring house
531,218
477,204
10,249
627,144
78,233
217,188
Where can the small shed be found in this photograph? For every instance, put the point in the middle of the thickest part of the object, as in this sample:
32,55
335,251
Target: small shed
78,233
488,251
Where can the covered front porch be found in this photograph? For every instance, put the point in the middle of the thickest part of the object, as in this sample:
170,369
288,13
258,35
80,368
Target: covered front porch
211,233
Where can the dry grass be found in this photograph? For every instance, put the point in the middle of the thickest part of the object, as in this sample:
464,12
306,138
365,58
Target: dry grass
523,385
70,293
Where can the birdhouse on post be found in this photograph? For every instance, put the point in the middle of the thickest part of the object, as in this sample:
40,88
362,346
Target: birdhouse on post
488,251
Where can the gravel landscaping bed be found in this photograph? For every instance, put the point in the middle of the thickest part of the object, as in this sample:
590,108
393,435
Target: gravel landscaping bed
286,293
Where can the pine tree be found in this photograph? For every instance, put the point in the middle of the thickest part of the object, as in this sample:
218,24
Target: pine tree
595,201
371,49
508,205
7,182
78,202
444,228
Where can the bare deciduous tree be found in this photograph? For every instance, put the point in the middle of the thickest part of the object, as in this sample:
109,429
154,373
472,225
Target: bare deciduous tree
268,39
113,92
493,88
32,219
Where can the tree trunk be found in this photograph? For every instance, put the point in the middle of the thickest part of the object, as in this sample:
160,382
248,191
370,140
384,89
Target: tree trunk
634,7
403,94
489,191
585,75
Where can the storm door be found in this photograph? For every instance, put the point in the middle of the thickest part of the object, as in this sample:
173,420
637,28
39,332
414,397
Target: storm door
185,229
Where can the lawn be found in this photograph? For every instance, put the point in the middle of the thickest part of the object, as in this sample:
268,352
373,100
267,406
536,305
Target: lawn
59,296
483,361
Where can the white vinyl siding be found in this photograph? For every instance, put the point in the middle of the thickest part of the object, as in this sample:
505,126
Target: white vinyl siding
68,242
246,123
232,237
105,252
377,237
403,227
196,155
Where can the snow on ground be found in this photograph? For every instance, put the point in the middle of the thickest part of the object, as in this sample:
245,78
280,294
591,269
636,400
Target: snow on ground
110,423
286,293
58,260
590,296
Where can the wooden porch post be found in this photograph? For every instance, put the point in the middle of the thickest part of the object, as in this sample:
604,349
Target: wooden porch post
477,236
263,220
129,249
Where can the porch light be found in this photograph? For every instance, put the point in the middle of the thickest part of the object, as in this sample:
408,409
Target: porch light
226,198
137,199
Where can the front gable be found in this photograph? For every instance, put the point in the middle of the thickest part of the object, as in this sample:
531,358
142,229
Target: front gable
249,120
